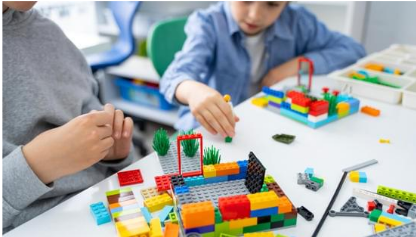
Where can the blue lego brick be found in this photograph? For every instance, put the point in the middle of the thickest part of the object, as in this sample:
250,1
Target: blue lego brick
396,217
264,212
285,105
216,179
201,230
342,98
294,115
354,104
164,214
362,177
146,214
125,208
100,213
181,189
276,105
194,181
243,164
237,176
309,172
268,91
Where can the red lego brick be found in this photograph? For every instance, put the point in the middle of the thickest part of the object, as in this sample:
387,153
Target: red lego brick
319,105
301,101
391,209
371,205
293,94
162,183
234,207
130,177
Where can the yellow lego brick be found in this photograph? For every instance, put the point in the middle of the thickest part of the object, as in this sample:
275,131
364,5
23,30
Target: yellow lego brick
263,200
379,227
299,108
240,223
389,222
155,228
150,192
209,171
273,99
261,102
284,205
260,234
132,227
355,176
158,202
343,108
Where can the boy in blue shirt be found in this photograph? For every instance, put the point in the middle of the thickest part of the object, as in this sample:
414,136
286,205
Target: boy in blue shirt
236,47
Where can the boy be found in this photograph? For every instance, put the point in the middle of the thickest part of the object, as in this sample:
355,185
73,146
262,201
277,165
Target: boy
235,47
55,141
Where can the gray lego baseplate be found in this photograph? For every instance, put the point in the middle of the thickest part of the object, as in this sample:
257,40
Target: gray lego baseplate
406,230
211,192
169,162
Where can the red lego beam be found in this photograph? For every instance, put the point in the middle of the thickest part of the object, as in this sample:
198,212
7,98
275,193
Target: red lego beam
189,137
310,71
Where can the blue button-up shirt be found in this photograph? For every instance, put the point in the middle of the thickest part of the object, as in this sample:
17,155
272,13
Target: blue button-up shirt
214,52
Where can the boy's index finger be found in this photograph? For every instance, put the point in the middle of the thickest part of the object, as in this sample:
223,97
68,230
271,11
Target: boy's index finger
102,118
109,108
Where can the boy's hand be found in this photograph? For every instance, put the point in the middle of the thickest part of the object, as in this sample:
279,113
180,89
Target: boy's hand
73,147
122,134
208,107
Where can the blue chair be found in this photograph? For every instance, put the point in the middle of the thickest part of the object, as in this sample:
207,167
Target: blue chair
123,13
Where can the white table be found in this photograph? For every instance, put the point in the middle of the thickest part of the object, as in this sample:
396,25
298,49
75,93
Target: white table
328,149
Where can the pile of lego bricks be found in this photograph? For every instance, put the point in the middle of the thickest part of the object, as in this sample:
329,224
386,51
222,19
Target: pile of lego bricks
260,205
310,110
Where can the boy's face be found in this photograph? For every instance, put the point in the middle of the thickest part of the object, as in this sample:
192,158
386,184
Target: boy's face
253,17
18,6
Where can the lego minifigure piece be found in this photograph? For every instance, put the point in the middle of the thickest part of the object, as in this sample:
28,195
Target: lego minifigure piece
100,213
130,177
370,111
284,138
391,209
255,174
352,206
305,213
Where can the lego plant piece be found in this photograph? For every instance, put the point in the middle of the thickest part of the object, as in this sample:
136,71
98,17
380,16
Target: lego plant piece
211,156
100,213
370,111
284,138
305,213
189,146
228,139
161,142
130,177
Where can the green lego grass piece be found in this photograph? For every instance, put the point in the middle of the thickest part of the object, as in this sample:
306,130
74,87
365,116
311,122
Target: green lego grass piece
189,146
396,194
161,142
318,180
173,218
277,217
264,188
218,216
284,138
255,228
211,156
209,234
228,139
374,215
289,222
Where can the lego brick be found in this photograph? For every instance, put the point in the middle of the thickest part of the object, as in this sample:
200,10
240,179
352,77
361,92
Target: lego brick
241,223
173,218
276,188
295,116
234,207
130,177
255,228
375,215
120,192
210,234
226,235
135,212
155,228
284,205
397,194
194,181
289,222
157,203
192,212
171,230
177,180
264,219
311,185
412,212
169,162
303,102
309,172
150,192
352,206
277,224
318,107
100,213
305,213
121,204
229,168
162,183
367,195
262,234
370,111
273,99
201,229
181,189
317,180
255,174
318,118
278,217
268,179
218,216
263,200
264,212
164,214
209,171
272,92
260,101
379,227
300,109
274,105
216,179
371,205
132,227
363,177
125,208
146,214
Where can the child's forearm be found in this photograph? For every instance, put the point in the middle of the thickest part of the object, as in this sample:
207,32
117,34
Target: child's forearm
281,72
184,90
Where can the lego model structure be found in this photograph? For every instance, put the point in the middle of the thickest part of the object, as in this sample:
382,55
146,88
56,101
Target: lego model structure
408,229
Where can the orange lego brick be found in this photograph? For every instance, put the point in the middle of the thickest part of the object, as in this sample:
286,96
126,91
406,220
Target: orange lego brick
370,111
284,204
224,169
198,214
375,67
171,230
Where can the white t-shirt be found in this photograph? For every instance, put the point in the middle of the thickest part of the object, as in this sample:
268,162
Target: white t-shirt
256,50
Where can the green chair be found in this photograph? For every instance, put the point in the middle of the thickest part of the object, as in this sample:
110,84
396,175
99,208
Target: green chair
164,40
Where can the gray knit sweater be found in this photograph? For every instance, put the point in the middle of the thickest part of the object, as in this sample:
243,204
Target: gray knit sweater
46,83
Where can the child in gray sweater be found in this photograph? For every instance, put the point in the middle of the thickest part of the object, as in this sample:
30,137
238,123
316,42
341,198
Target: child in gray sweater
57,137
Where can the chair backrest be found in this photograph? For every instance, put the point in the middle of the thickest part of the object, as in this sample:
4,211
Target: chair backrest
124,12
165,39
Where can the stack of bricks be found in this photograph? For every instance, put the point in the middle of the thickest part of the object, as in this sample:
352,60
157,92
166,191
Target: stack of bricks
358,177
126,213
391,220
274,97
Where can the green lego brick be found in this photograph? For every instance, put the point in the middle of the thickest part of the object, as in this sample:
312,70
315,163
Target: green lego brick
264,188
237,231
318,180
223,227
396,194
278,217
374,215
228,139
118,191
255,228
209,234
289,222
274,99
173,218
268,179
299,108
218,216
226,235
